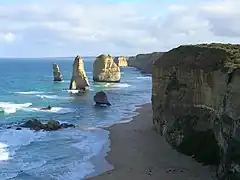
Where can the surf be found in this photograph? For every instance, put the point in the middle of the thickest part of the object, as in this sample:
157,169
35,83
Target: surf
9,108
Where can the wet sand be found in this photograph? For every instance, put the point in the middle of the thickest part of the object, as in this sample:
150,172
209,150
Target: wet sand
140,153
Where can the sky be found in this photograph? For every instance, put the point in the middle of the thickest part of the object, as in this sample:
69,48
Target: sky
60,28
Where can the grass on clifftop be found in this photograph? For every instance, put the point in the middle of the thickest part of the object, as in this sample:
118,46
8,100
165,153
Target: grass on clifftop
232,49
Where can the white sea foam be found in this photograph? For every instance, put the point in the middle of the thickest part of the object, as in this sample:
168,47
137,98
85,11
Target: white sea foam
117,85
30,92
78,171
57,148
144,77
11,140
8,107
59,110
72,91
3,152
66,81
93,143
52,97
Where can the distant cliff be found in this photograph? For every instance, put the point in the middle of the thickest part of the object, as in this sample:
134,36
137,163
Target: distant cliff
143,62
196,103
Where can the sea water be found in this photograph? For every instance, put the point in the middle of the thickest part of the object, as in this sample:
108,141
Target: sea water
27,85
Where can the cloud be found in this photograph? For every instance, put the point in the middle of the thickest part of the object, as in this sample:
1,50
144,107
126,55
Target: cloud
66,28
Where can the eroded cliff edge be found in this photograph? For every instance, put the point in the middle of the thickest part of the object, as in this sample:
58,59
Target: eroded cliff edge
144,62
196,103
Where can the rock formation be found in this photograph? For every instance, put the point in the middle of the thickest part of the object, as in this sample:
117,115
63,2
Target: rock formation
121,61
50,126
57,75
105,70
79,79
144,62
196,103
101,98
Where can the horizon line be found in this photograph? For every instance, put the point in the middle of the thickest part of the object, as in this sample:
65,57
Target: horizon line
51,57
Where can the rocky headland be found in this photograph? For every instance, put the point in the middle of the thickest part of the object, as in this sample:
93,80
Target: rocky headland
121,61
143,62
196,105
57,75
105,69
79,80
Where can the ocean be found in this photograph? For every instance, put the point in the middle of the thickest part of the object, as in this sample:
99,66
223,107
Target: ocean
67,154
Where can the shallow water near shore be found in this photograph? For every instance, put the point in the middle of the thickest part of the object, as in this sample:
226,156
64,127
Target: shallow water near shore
26,85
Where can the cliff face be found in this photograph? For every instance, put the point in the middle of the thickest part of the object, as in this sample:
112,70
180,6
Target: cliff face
105,69
143,62
121,61
196,103
57,75
79,79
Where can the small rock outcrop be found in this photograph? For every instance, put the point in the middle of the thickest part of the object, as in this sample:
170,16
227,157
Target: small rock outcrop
121,61
79,79
57,75
105,69
51,125
101,98
196,103
143,62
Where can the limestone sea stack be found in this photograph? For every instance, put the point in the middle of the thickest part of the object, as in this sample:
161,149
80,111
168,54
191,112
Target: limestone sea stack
57,75
105,69
121,61
79,79
196,103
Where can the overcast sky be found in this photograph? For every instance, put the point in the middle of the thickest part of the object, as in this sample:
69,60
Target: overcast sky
40,28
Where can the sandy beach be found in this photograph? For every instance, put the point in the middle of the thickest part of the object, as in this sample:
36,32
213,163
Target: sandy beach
139,153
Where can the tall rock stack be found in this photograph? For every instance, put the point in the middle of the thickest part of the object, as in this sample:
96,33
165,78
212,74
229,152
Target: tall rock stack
196,103
105,69
121,61
79,79
57,75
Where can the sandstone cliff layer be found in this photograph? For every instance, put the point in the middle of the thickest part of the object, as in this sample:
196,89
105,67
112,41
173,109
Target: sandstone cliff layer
79,79
57,75
121,61
144,62
105,69
196,103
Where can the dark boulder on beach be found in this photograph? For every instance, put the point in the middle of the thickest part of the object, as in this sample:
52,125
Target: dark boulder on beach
51,125
101,98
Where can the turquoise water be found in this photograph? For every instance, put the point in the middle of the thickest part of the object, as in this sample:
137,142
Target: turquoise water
26,85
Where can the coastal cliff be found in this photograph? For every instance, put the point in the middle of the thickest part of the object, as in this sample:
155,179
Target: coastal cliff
196,103
79,80
105,69
144,62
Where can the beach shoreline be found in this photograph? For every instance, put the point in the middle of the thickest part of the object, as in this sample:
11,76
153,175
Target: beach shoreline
139,152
